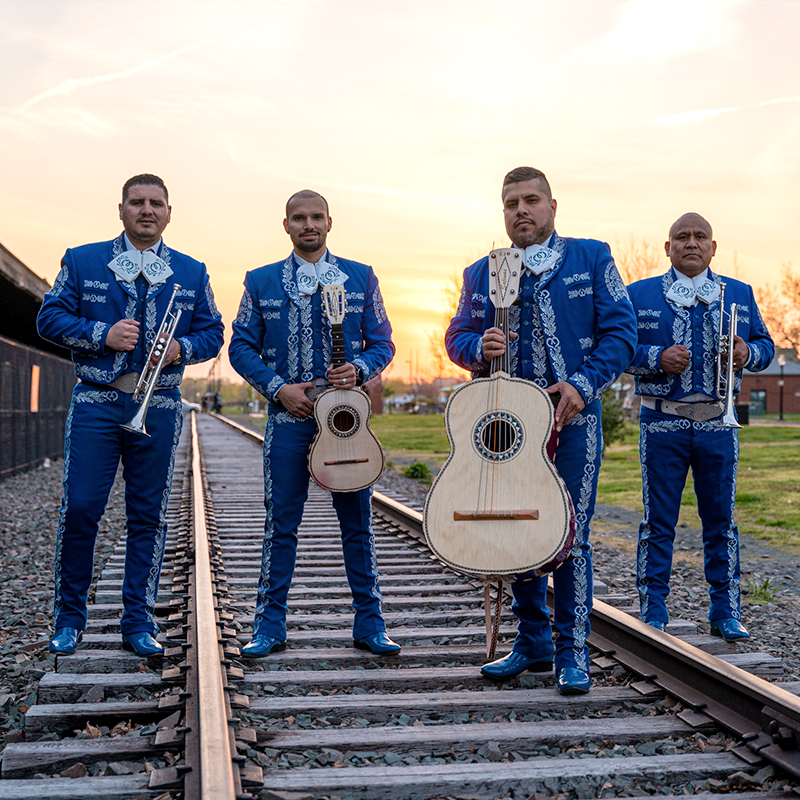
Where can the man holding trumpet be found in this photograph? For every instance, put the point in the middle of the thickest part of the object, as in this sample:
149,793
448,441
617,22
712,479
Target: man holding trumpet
108,305
686,384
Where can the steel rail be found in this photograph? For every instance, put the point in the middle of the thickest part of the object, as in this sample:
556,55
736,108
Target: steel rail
217,780
762,714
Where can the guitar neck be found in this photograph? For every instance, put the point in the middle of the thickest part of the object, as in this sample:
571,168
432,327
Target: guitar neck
337,345
501,363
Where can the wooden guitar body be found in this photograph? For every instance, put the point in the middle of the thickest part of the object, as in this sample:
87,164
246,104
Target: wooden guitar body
498,506
345,456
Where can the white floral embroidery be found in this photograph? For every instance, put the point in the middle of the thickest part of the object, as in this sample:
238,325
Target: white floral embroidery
616,288
570,279
380,310
58,283
584,291
548,320
212,305
245,309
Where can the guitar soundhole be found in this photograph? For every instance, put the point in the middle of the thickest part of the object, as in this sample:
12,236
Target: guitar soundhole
343,421
498,436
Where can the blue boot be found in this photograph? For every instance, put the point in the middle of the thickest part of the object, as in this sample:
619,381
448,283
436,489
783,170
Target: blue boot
65,640
513,664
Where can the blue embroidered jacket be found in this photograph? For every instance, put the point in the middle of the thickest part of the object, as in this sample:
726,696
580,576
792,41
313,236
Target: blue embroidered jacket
663,323
87,298
282,336
586,319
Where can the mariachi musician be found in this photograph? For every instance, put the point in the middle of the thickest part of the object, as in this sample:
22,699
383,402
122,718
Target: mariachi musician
573,333
281,345
106,306
682,422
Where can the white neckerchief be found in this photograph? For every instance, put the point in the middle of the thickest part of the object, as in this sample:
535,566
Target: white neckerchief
539,258
311,276
686,291
127,266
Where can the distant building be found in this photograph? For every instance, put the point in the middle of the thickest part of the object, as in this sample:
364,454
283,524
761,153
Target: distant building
762,389
36,377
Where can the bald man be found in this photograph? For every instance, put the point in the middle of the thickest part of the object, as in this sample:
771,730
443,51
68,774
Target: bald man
281,345
680,425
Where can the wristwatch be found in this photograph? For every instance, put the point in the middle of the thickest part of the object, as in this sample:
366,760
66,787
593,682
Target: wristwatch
178,358
359,376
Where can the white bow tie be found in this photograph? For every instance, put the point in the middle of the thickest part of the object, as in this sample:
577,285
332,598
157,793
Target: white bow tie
311,276
129,265
539,259
685,291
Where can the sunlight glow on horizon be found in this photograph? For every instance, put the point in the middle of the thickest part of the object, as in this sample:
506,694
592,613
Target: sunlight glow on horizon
405,116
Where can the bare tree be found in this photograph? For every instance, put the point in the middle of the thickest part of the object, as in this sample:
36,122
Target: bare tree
637,259
440,365
780,307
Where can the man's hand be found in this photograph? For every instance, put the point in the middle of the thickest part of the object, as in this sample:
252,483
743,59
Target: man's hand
343,377
741,353
571,402
123,335
494,343
172,352
675,359
292,396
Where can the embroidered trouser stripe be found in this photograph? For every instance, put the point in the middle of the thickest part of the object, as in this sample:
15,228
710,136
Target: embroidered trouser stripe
94,445
578,462
668,448
286,481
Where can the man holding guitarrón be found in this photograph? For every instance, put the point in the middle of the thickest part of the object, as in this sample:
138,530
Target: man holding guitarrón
281,345
572,333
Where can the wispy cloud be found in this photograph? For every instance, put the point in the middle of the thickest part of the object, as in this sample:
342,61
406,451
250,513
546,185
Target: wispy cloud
660,30
688,117
72,84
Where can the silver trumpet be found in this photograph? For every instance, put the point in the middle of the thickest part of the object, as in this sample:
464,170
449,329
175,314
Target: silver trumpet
725,345
146,384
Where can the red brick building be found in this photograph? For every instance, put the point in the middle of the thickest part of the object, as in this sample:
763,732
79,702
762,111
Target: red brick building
763,391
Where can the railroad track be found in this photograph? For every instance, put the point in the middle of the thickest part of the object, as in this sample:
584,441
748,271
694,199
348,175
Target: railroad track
322,719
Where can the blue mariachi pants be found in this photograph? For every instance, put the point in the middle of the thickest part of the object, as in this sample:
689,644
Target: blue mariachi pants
668,447
93,446
580,448
286,444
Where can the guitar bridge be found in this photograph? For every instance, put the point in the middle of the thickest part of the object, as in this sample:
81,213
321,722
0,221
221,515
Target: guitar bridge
523,513
346,461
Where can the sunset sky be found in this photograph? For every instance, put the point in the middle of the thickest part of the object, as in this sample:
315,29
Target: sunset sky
405,115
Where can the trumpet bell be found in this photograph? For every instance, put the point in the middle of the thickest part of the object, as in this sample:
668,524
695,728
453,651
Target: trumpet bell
136,425
730,421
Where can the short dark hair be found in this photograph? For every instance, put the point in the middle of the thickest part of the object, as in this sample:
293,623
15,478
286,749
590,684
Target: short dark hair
521,174
145,179
306,194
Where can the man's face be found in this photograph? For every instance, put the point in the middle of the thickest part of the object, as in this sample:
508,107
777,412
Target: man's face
690,247
144,214
529,213
308,224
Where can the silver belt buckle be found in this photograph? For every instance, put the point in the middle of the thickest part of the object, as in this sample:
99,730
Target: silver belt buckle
698,412
126,383
320,385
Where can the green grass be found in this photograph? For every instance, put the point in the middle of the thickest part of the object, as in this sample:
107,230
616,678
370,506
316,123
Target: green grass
768,485
768,491
412,435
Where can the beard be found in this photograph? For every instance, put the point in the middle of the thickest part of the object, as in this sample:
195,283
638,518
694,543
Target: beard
308,245
536,235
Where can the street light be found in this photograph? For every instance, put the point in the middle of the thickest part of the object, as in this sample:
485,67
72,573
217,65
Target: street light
781,364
